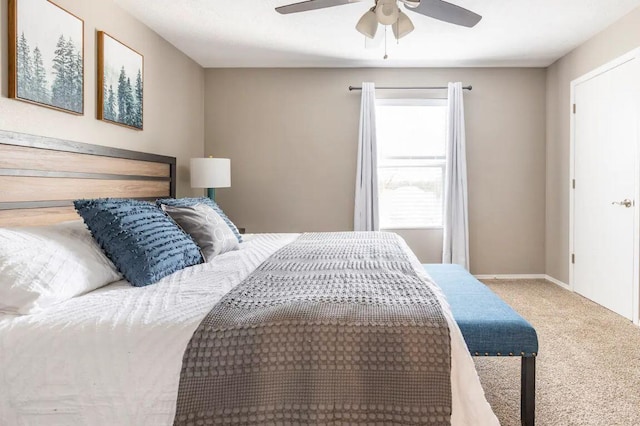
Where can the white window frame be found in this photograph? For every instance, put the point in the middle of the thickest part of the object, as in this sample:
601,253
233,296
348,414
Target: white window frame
439,161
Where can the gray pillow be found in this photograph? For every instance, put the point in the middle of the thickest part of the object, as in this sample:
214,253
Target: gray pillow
206,227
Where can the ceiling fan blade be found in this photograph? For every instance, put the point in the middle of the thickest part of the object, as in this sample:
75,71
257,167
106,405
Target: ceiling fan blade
447,12
311,5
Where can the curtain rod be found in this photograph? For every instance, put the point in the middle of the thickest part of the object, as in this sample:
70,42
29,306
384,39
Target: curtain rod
352,88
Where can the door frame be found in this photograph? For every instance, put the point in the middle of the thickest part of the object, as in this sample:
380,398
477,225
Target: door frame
628,57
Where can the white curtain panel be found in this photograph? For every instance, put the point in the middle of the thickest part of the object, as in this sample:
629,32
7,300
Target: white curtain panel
455,248
365,216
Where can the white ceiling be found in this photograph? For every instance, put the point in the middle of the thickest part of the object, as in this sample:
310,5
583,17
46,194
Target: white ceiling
249,33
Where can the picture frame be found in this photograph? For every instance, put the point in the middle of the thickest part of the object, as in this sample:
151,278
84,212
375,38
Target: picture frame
120,83
46,55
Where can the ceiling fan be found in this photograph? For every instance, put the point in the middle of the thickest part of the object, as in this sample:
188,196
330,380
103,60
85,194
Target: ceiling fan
387,12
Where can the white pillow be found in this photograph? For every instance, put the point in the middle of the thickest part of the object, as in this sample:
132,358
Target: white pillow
42,266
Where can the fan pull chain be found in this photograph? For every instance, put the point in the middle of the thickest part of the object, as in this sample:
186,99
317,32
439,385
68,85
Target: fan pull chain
385,43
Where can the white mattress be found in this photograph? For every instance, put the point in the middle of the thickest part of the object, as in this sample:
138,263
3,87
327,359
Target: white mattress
113,356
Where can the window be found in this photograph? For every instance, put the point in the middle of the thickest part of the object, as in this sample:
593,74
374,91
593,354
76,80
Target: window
411,162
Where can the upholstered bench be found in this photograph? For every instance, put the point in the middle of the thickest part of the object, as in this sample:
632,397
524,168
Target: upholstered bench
490,327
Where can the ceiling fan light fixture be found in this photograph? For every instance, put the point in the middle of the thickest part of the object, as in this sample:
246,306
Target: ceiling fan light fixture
411,4
368,24
387,11
403,26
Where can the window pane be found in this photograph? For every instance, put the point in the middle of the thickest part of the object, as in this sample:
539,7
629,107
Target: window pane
411,130
410,197
410,162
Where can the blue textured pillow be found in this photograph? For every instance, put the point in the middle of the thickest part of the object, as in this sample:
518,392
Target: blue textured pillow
190,202
140,239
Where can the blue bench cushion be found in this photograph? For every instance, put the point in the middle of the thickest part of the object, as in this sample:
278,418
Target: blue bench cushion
489,326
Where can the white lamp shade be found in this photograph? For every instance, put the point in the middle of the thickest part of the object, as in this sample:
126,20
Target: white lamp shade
368,24
387,11
403,26
210,173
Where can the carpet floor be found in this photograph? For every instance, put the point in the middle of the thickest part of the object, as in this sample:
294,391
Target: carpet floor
588,367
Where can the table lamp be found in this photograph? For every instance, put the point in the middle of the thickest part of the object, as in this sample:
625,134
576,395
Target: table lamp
210,173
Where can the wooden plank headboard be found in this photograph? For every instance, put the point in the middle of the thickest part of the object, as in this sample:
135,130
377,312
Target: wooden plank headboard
40,177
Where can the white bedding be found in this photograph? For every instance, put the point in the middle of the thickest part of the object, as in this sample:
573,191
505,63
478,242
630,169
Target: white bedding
113,356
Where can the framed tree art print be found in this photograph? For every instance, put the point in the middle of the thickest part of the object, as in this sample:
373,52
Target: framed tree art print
46,55
120,83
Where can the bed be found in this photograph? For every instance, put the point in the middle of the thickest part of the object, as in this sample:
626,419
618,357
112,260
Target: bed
114,356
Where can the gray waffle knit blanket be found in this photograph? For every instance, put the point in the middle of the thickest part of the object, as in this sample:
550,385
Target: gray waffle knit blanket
332,329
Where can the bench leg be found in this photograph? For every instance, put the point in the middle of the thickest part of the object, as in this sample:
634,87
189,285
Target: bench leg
528,391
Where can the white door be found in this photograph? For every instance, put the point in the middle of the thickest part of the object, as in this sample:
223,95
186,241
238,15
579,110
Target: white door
605,149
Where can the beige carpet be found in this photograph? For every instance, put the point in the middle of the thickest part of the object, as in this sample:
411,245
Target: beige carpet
588,368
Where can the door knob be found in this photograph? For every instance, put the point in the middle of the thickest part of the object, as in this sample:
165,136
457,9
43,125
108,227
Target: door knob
626,202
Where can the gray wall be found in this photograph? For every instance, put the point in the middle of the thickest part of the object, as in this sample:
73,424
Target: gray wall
173,95
613,42
292,137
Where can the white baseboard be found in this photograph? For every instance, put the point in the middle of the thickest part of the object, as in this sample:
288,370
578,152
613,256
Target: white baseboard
512,277
558,282
524,277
